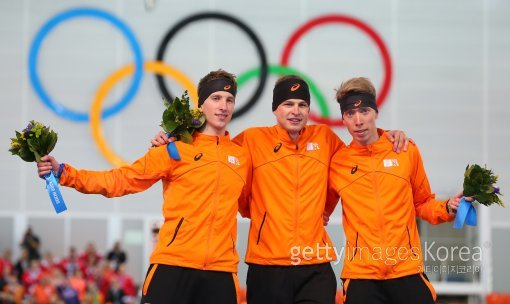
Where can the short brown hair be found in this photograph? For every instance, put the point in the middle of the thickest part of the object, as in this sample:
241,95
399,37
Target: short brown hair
285,77
358,85
218,74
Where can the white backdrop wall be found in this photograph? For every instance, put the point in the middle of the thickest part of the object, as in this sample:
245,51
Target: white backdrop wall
449,92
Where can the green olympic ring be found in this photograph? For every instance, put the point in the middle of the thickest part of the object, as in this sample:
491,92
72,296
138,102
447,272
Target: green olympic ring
285,70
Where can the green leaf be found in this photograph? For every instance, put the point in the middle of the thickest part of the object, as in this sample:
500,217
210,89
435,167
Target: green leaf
53,138
14,151
165,102
177,105
186,137
26,155
170,126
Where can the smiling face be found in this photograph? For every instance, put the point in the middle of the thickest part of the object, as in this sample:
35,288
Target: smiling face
292,115
360,123
218,109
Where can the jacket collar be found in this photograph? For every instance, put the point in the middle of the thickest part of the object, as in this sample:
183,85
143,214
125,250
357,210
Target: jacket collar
216,139
379,144
284,136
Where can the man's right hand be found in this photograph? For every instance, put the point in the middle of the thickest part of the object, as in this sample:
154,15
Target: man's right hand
47,164
161,139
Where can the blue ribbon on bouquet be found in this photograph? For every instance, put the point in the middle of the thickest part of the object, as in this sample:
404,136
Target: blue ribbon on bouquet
171,148
466,213
54,192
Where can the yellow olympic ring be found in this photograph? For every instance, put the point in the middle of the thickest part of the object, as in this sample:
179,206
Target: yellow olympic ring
157,67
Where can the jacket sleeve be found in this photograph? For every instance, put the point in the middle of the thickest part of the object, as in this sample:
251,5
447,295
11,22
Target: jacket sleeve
425,203
137,177
332,188
332,196
331,201
245,197
240,139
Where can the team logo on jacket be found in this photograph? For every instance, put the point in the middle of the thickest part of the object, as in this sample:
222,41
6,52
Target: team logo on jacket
198,156
311,146
390,162
277,147
233,160
354,169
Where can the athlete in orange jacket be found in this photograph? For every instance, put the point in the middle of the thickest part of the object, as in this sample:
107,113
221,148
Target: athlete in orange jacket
382,193
284,206
195,259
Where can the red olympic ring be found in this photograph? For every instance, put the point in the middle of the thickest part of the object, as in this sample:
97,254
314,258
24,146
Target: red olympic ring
388,69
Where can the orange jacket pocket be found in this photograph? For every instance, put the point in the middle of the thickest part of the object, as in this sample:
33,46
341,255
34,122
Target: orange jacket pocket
176,231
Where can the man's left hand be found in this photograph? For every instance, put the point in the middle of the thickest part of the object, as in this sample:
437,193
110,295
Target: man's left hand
399,139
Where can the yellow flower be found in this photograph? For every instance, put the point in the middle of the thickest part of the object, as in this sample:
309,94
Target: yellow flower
15,144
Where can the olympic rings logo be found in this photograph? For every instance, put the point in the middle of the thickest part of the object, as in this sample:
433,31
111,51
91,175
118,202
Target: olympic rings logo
161,69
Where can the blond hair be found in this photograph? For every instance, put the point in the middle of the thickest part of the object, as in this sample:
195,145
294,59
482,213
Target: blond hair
358,85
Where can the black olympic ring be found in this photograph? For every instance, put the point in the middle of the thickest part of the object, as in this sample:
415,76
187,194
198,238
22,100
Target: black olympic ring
224,17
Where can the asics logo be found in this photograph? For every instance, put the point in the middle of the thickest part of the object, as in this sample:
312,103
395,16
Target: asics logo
354,169
277,147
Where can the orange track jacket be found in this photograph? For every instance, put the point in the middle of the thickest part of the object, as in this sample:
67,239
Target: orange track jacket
200,194
288,195
382,192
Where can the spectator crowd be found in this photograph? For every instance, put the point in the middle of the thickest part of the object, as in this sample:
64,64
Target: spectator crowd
78,277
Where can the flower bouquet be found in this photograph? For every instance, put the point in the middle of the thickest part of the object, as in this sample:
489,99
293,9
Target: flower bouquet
33,142
180,122
480,184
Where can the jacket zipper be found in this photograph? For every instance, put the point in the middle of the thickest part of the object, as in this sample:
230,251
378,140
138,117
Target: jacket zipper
176,231
378,201
296,200
213,212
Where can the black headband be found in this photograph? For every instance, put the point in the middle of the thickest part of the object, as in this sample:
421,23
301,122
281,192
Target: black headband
221,84
290,89
357,100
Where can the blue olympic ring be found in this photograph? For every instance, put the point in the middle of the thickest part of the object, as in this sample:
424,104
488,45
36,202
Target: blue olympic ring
94,13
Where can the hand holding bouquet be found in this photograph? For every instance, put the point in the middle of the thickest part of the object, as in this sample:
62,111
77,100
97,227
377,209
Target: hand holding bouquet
480,184
181,122
35,141
32,143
